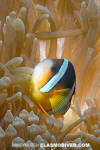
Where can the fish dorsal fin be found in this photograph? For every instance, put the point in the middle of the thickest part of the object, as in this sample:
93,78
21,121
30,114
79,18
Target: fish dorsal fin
56,78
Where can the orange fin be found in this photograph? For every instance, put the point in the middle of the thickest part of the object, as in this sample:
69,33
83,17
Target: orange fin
44,110
59,116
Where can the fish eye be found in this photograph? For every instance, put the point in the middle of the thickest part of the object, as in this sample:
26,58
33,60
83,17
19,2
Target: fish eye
54,69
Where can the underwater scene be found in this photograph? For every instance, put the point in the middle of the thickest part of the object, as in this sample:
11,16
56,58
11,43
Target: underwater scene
49,75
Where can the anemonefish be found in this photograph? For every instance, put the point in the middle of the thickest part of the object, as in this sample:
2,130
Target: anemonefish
53,85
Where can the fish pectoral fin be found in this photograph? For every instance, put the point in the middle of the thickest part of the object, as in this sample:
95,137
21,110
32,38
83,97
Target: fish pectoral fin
59,103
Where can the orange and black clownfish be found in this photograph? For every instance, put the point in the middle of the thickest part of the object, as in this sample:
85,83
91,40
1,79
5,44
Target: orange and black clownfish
53,85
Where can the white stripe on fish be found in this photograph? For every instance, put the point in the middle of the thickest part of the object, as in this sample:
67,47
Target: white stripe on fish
56,78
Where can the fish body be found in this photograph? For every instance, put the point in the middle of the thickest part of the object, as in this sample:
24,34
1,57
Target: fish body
53,85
